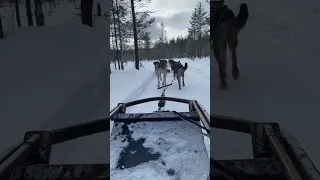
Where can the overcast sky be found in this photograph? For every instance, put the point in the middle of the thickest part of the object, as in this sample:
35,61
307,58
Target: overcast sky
175,15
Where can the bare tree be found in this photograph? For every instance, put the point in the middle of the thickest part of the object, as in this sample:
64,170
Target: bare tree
17,13
1,30
135,36
115,35
29,13
119,31
86,12
38,12
98,9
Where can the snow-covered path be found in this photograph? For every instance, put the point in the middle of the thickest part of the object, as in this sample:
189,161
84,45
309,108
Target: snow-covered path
197,87
64,84
279,76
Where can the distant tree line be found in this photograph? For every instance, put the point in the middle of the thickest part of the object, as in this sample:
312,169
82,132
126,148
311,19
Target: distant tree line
195,44
86,11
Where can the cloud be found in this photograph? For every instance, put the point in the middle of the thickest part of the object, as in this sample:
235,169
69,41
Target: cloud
175,15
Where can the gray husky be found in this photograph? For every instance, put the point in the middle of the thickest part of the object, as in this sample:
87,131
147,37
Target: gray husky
224,30
174,65
179,70
161,68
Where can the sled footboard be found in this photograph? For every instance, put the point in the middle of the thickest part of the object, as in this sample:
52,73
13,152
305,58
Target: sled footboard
61,172
30,159
275,154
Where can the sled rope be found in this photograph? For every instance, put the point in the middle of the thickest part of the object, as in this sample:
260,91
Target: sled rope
162,103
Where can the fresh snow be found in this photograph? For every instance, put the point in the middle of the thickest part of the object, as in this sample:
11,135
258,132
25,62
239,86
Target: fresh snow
55,76
278,55
130,84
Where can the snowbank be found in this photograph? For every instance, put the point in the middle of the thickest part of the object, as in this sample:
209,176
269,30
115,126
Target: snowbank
51,77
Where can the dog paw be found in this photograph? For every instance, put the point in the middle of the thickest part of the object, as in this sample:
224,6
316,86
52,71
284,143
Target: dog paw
235,74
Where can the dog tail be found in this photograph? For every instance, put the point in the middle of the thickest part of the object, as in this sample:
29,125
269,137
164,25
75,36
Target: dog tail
242,16
185,66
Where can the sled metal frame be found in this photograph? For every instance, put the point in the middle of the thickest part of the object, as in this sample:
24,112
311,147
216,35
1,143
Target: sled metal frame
276,154
194,108
30,160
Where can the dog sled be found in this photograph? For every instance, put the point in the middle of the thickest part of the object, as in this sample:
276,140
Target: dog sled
170,142
30,160
276,154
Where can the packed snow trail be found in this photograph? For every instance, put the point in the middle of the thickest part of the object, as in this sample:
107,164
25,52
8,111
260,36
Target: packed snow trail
197,87
279,74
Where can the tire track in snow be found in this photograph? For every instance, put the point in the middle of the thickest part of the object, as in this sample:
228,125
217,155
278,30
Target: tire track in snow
136,93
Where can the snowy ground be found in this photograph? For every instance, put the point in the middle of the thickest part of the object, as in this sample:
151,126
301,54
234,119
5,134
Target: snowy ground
131,84
55,76
279,63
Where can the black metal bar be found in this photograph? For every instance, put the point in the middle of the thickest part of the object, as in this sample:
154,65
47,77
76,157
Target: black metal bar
84,129
260,145
230,123
61,172
140,101
203,117
3,158
19,156
163,116
299,157
280,152
115,109
42,152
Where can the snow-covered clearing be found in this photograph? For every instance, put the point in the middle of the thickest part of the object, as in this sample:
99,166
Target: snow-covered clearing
279,63
130,84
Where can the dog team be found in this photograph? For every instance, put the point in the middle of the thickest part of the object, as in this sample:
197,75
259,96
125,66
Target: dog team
161,69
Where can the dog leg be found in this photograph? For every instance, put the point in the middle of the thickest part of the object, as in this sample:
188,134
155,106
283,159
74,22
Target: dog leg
222,66
233,43
164,79
183,80
179,81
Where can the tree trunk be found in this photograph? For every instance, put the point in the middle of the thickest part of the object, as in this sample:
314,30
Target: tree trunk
29,13
38,12
1,30
115,35
51,6
86,12
114,54
135,36
98,9
119,32
18,13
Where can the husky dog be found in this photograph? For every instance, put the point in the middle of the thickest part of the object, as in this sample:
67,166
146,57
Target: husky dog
156,66
161,68
224,30
179,70
174,65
